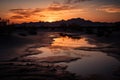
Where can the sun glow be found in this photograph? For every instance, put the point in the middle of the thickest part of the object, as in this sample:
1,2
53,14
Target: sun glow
50,20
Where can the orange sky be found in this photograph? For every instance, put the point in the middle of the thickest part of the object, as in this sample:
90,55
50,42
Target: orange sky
53,10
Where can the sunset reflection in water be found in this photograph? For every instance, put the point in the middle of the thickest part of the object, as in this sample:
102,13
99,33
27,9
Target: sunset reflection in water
68,51
73,43
64,46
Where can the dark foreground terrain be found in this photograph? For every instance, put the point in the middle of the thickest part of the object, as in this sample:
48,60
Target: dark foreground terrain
16,49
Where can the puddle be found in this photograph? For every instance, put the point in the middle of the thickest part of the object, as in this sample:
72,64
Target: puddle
62,51
69,42
46,52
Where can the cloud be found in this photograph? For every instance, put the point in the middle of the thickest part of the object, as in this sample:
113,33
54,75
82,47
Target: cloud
42,12
16,17
65,5
59,7
25,13
110,9
74,1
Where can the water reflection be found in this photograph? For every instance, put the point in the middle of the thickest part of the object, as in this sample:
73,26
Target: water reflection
62,46
62,50
96,63
69,50
70,42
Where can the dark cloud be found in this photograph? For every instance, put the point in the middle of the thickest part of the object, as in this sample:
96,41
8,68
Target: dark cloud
66,5
42,16
59,7
16,17
55,6
26,12
110,9
75,1
37,10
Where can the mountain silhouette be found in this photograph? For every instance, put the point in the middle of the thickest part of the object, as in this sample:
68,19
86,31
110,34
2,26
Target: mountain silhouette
74,22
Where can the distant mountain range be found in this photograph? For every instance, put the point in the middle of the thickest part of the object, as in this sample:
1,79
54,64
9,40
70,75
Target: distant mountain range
71,25
71,22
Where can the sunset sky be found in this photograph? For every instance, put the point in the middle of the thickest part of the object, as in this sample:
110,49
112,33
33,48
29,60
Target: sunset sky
19,11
